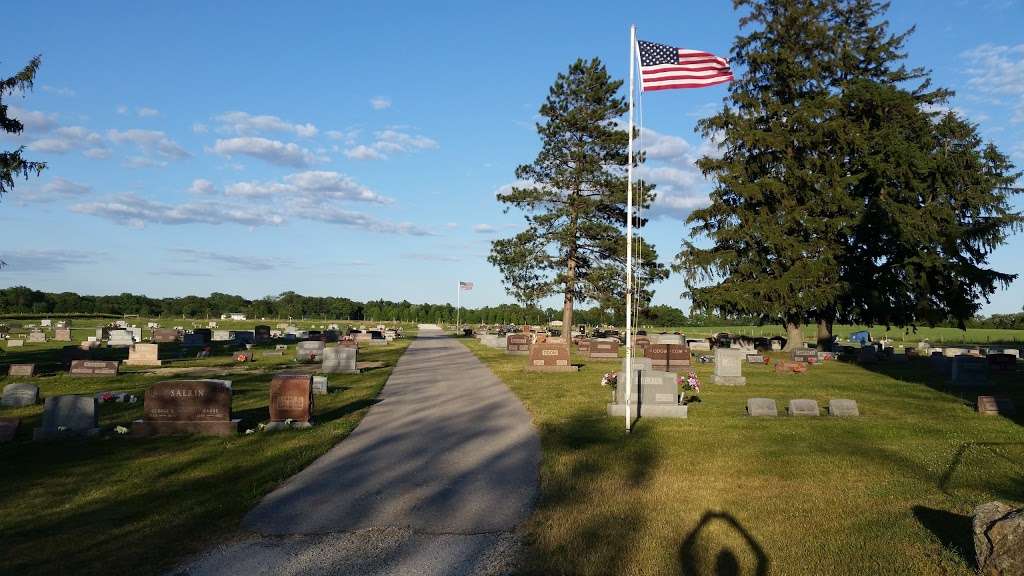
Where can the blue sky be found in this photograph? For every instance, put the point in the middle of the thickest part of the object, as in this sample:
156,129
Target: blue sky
354,149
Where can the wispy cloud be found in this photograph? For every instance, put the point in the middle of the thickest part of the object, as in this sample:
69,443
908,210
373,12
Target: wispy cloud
59,91
313,185
233,261
484,229
389,142
380,103
245,124
430,257
136,211
46,260
56,189
272,151
157,147
996,72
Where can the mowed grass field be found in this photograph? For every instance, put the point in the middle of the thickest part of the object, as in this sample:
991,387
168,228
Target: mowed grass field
938,336
119,505
889,492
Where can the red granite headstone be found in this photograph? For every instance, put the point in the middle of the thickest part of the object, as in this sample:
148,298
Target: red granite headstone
94,368
187,407
291,397
604,349
518,343
548,357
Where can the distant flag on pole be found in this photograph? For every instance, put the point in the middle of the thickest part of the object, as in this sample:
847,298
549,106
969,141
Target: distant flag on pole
466,285
664,67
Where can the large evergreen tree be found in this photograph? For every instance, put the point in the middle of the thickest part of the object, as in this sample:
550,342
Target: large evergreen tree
575,199
825,128
12,164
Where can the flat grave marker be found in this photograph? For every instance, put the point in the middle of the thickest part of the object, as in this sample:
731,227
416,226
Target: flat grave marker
187,407
843,407
26,370
803,407
94,368
762,407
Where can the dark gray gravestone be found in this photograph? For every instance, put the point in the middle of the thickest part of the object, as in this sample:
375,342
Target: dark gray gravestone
8,427
20,395
68,416
320,385
841,407
804,407
867,355
969,371
192,340
761,407
27,370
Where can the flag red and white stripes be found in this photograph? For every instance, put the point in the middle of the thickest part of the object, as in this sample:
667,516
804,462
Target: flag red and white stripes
466,285
664,67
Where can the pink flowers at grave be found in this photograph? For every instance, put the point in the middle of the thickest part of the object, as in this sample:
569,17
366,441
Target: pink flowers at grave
610,379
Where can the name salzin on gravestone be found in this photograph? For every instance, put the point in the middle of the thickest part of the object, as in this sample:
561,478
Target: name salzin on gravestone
187,407
804,407
339,360
68,416
842,407
729,367
761,407
28,370
93,368
291,398
517,343
547,357
992,406
16,395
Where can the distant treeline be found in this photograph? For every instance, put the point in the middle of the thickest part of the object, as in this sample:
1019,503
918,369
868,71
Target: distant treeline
22,302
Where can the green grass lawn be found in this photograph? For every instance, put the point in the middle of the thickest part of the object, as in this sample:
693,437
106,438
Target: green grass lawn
889,492
118,505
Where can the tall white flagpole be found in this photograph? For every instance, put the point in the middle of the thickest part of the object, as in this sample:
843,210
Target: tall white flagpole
458,308
629,235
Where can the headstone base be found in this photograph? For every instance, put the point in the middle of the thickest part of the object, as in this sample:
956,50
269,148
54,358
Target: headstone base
731,380
530,368
649,410
142,428
279,426
44,434
604,355
518,352
130,362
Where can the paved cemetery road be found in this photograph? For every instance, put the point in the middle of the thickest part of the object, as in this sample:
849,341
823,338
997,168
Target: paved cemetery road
434,480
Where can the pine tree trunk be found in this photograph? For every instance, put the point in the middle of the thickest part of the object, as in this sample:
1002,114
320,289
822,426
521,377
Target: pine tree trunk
794,336
570,286
825,334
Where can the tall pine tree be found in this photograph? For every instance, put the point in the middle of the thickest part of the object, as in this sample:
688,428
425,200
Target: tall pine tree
574,202
794,219
12,164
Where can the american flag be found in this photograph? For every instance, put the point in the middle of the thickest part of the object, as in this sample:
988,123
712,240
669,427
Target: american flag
664,67
466,285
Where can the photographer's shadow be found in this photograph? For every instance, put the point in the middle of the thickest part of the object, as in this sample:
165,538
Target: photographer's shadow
726,562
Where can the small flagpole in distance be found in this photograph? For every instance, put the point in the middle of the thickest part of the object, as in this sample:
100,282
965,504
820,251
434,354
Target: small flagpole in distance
629,235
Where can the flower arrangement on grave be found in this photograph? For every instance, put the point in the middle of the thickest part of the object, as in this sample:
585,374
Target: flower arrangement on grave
121,430
106,397
689,383
610,379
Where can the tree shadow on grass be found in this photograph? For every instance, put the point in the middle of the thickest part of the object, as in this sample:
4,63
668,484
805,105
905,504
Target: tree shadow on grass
954,531
696,546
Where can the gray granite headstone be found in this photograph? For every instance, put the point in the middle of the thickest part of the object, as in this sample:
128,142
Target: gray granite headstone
729,367
36,337
761,407
320,385
655,388
68,415
309,351
842,407
15,343
969,371
339,360
804,407
27,370
639,364
20,395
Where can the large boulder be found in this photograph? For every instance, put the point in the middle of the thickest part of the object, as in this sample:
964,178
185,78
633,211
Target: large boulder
999,539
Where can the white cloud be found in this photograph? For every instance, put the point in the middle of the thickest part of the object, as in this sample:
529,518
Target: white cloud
348,136
68,138
334,215
122,110
430,257
136,211
202,187
273,151
484,229
145,112
380,103
33,121
59,91
200,128
151,142
57,188
48,260
313,186
997,72
245,124
391,141
143,162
